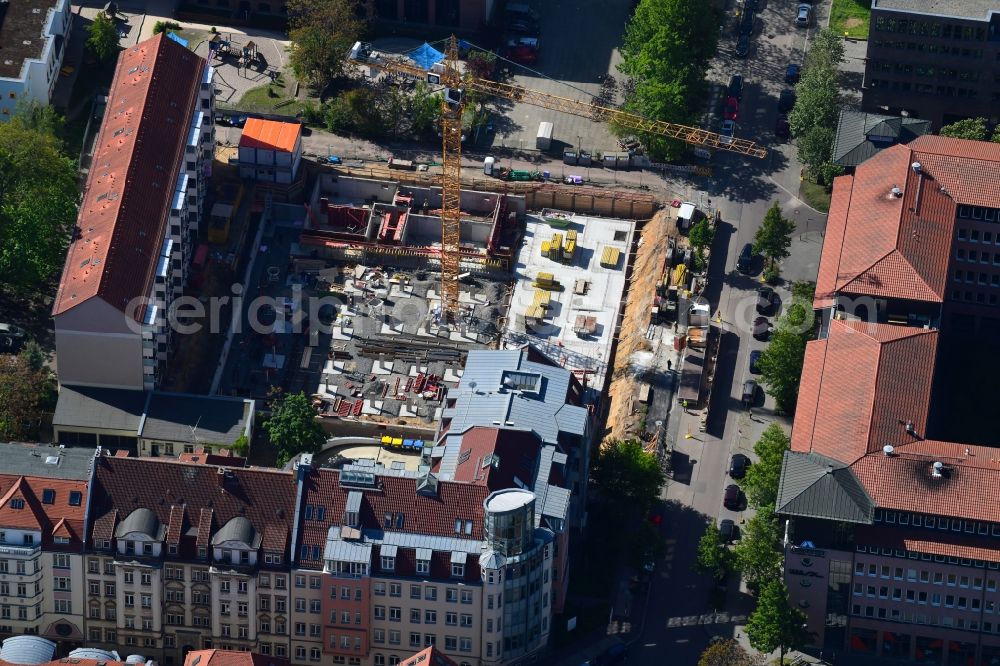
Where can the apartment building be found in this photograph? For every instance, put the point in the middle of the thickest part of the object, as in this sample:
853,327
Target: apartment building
392,562
231,658
140,211
34,34
933,60
893,545
187,556
43,503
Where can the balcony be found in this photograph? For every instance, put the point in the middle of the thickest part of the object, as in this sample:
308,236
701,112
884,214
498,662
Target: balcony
20,551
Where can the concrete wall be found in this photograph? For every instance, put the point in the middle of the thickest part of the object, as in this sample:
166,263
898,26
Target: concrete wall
355,190
426,229
94,347
582,202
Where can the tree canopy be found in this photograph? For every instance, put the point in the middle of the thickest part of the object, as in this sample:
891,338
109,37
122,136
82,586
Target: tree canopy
38,198
781,363
713,556
775,624
774,236
817,105
726,652
625,473
293,428
701,233
102,37
761,481
970,128
666,51
24,383
322,32
758,553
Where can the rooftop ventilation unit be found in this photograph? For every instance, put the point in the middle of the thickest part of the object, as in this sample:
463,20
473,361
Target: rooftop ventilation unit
896,192
916,166
936,471
888,449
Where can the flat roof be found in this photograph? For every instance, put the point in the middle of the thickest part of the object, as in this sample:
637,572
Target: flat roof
44,460
601,300
21,32
970,9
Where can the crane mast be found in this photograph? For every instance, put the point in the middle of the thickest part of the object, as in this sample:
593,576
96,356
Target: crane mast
451,182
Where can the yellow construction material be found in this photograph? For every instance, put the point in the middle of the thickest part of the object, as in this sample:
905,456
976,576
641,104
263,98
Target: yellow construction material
569,249
535,312
545,248
609,257
679,274
571,235
545,279
386,440
555,248
541,299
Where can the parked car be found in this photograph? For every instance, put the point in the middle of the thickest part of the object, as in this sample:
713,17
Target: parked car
746,23
749,393
728,131
735,87
786,100
761,327
754,366
731,499
782,130
743,46
745,260
732,109
727,530
765,300
803,15
738,464
792,74
12,338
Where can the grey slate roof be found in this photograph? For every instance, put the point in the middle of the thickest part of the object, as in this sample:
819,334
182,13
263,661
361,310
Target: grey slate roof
238,528
141,520
198,419
814,486
99,408
861,135
346,551
50,462
482,400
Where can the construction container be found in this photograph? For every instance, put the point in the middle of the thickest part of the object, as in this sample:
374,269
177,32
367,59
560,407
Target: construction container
610,256
543,140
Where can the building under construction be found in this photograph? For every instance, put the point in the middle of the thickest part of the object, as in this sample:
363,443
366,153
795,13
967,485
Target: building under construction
374,222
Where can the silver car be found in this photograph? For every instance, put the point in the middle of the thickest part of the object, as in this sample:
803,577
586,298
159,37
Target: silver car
803,15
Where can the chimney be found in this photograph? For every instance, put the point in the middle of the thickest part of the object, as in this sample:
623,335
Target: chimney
896,192
888,449
936,471
910,429
220,476
916,166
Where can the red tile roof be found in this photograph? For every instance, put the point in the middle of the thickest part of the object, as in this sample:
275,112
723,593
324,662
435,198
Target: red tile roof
433,516
516,449
859,384
59,518
880,245
137,156
270,135
932,542
428,657
231,658
265,497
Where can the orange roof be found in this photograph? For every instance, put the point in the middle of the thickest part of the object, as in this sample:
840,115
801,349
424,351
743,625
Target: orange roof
231,658
934,542
22,505
858,384
270,135
428,657
126,200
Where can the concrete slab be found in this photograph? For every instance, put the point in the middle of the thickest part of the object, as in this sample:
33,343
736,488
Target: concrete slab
555,334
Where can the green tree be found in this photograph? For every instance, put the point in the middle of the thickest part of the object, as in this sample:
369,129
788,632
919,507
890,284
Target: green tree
425,109
996,135
774,236
102,37
817,102
701,233
761,481
781,363
666,50
34,356
293,428
321,32
826,50
38,197
970,128
815,146
775,624
726,652
713,556
43,118
481,64
627,474
758,554
23,390
817,105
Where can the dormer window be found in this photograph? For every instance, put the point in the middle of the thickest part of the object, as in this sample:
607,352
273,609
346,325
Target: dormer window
244,557
147,549
75,498
48,496
202,552
17,503
172,549
351,518
130,547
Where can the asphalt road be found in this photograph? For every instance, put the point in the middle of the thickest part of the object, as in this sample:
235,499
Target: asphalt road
679,621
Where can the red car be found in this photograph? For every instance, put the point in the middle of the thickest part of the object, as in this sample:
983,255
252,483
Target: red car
732,108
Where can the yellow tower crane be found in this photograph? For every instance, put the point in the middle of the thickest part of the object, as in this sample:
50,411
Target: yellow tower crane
455,83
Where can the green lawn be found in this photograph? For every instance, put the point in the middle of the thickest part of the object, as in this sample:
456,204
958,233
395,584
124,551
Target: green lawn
274,97
850,18
817,196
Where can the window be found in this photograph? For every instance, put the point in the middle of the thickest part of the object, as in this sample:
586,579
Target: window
415,615
457,570
414,639
379,613
451,642
451,595
414,591
314,654
75,497
430,617
48,496
378,636
314,606
423,567
394,637
451,619
430,593
395,614
465,644
300,581
379,589
395,589
466,596
466,620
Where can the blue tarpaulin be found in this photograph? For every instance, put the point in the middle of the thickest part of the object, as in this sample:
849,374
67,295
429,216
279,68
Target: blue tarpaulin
425,56
173,36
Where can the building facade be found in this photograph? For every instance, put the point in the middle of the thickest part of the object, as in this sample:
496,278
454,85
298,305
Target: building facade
893,547
270,151
126,263
34,34
43,503
933,60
